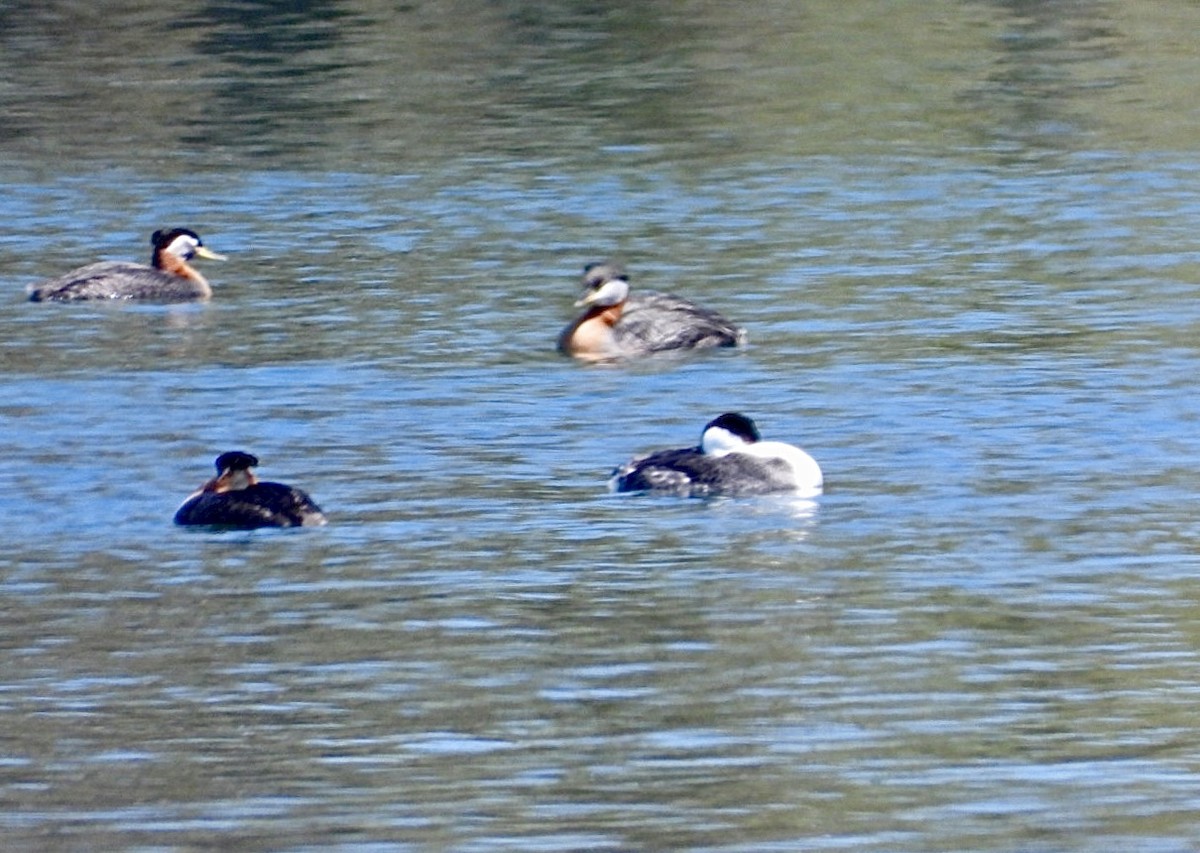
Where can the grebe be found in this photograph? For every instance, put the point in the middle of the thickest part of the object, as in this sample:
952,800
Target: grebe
617,325
169,278
237,498
731,460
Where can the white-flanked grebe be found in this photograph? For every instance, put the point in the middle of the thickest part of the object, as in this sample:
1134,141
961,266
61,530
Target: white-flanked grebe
169,278
237,498
730,460
616,324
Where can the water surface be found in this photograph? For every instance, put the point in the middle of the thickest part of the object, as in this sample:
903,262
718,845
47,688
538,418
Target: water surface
960,235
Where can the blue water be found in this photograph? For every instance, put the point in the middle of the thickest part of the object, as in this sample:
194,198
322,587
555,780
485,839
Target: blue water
980,324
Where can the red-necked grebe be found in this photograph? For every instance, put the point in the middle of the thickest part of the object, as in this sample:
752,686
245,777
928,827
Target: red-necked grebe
616,324
237,498
169,278
730,460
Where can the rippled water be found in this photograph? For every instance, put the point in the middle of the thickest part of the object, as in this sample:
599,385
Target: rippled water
961,237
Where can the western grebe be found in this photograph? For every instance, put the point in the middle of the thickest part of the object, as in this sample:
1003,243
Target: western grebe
730,460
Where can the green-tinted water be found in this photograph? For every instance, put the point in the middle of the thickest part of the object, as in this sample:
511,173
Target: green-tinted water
960,237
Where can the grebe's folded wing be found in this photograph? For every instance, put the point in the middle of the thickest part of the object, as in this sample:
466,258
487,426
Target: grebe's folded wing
664,321
290,502
264,504
225,509
689,471
664,470
95,281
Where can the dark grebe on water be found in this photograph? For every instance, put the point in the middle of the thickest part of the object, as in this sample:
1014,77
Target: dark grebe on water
237,498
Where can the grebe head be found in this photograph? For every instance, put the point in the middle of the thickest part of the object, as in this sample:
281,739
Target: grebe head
233,471
604,285
731,431
182,243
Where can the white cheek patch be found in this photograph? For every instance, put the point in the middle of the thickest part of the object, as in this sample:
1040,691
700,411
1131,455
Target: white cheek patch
612,292
183,246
